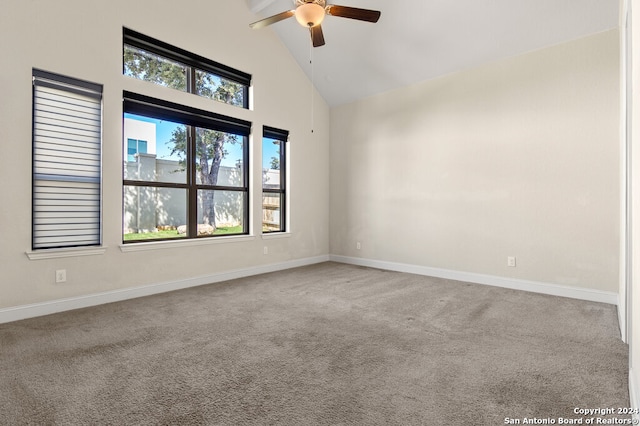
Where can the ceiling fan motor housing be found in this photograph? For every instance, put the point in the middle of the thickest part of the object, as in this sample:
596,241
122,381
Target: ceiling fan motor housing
310,13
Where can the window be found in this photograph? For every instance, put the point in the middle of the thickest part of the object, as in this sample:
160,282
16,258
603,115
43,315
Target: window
135,147
67,116
273,179
193,180
152,60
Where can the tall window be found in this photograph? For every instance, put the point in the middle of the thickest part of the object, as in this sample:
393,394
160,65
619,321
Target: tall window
192,181
67,117
185,169
274,179
152,60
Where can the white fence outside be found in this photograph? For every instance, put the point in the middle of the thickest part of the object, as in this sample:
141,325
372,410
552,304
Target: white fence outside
147,209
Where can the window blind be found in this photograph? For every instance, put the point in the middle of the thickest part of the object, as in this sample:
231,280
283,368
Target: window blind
144,105
67,116
277,134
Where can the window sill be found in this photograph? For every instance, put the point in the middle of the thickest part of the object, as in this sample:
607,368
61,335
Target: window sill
276,235
70,252
160,245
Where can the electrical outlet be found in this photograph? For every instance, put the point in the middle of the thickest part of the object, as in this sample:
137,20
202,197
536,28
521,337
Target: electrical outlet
61,276
358,245
511,261
265,250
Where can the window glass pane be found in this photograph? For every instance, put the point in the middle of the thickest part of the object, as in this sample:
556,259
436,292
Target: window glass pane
213,87
219,158
132,150
271,212
222,210
152,60
160,146
156,69
152,213
271,163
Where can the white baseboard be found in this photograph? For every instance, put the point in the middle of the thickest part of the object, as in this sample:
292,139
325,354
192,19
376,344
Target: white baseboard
54,306
512,283
633,395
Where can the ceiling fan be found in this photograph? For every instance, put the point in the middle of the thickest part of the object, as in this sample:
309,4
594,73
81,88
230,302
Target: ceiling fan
310,13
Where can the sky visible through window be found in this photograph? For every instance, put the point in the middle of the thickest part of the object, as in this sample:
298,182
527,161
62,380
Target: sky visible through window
269,150
164,131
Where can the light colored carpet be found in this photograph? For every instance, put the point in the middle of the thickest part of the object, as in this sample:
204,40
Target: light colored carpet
326,344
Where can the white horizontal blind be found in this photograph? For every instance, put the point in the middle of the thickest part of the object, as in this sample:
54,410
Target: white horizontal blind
67,116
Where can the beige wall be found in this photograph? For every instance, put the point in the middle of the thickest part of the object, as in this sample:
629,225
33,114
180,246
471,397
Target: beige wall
515,158
84,40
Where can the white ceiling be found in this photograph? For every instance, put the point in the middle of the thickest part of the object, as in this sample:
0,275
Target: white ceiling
417,40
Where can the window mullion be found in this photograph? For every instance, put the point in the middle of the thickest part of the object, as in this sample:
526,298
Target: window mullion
245,97
283,165
192,198
191,161
245,183
191,80
283,186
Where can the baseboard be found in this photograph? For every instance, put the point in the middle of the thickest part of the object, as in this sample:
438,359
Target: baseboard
51,307
633,396
516,284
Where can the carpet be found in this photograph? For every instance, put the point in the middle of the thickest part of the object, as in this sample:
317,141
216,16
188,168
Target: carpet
326,344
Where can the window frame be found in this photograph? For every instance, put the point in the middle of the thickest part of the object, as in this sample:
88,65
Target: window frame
86,89
283,137
134,103
192,61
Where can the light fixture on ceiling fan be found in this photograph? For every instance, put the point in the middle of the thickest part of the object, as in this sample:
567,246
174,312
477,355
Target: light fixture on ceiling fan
310,14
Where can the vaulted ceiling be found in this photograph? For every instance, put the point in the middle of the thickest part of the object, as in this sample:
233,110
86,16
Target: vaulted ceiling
417,40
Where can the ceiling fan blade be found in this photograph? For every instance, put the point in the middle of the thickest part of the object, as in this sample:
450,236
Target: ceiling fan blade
272,19
316,36
353,13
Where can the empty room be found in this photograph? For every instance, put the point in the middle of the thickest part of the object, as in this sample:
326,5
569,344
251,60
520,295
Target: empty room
299,212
